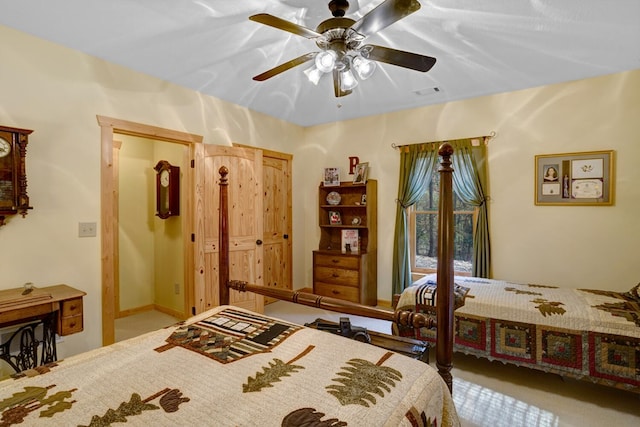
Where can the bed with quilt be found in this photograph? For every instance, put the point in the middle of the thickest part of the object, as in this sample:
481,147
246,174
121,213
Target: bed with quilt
581,333
231,367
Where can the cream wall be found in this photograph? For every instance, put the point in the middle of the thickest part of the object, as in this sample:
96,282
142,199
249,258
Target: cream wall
58,93
590,247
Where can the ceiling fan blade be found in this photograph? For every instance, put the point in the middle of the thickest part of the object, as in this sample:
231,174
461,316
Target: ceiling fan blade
400,58
385,14
281,24
336,85
285,66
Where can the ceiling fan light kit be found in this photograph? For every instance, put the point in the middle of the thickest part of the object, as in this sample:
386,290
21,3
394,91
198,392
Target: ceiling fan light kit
340,40
326,60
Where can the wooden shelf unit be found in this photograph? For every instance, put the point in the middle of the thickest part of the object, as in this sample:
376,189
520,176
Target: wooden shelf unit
347,275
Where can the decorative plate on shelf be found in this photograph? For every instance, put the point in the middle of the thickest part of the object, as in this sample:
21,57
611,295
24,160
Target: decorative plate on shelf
333,198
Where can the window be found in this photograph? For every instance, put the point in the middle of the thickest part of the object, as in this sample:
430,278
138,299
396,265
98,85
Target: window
424,231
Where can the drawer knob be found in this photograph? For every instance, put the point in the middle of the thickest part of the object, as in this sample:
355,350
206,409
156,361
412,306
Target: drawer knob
72,324
335,292
72,307
335,261
335,275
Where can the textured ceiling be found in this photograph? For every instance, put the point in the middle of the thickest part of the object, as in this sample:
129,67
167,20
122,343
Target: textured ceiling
482,47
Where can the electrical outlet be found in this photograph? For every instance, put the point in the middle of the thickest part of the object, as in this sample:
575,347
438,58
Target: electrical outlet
87,229
176,288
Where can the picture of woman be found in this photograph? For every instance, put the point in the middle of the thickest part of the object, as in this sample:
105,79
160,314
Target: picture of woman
550,173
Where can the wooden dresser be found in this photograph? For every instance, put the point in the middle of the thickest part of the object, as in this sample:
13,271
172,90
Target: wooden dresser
338,273
58,309
342,276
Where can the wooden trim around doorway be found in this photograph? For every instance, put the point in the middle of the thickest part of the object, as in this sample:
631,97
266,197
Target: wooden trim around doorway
109,230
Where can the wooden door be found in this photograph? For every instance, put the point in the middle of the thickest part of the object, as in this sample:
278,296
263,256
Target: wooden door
277,237
277,221
245,225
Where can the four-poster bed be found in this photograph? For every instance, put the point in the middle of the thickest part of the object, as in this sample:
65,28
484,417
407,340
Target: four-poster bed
445,299
231,366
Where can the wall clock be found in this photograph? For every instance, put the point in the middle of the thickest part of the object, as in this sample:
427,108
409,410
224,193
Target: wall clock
167,189
13,176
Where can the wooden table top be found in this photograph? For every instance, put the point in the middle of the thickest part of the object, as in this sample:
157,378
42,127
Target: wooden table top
14,299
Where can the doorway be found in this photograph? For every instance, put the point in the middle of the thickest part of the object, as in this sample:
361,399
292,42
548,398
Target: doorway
109,210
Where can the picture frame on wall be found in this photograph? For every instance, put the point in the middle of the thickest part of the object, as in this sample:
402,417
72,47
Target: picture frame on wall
575,179
331,177
360,174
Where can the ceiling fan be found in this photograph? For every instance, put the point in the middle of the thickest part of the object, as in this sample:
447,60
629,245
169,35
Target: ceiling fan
341,45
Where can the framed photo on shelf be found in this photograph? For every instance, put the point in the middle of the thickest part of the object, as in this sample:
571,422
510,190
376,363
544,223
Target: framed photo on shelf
331,177
360,176
581,179
335,218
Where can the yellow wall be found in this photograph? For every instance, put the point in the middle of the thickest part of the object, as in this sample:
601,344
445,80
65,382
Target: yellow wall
58,93
151,249
573,246
136,206
169,247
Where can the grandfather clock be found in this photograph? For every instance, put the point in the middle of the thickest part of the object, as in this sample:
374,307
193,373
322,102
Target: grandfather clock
13,175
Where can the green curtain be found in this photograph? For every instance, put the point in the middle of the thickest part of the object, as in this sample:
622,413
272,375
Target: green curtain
417,163
468,163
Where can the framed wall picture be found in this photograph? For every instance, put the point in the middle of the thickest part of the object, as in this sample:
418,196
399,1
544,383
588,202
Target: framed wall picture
360,175
331,177
579,179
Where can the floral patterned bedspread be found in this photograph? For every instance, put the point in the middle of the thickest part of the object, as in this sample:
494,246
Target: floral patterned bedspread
231,367
582,333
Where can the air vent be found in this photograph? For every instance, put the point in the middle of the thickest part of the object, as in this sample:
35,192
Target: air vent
428,91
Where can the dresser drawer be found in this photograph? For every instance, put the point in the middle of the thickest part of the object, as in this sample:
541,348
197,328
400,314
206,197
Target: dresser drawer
347,293
337,261
70,325
338,276
70,318
72,307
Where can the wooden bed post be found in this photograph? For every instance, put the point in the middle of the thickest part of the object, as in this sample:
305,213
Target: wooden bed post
444,318
444,297
223,237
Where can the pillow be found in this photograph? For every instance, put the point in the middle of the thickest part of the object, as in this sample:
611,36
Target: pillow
424,295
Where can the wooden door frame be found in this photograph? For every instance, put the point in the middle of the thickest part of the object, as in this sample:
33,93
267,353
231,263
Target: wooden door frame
108,208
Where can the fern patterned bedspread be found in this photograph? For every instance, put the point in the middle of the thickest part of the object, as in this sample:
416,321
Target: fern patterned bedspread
582,333
231,367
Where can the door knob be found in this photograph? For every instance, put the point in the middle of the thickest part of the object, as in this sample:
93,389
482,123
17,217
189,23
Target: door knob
286,236
258,242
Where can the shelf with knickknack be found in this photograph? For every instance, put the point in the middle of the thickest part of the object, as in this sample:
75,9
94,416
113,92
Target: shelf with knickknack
345,264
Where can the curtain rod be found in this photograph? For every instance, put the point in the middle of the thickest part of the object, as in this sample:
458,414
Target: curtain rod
485,138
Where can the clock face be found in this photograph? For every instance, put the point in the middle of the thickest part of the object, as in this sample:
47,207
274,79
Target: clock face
5,147
164,178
